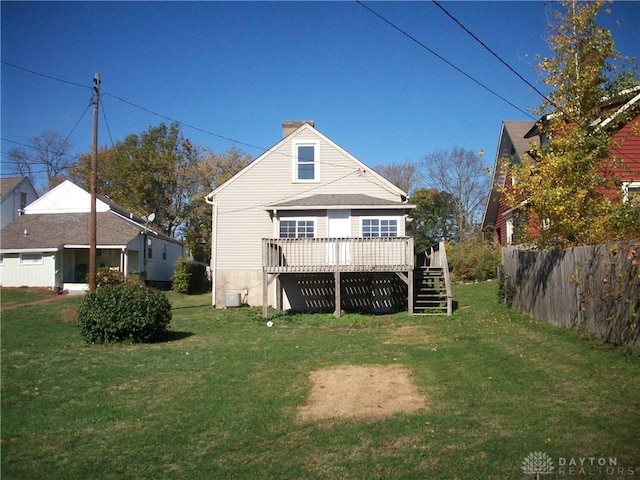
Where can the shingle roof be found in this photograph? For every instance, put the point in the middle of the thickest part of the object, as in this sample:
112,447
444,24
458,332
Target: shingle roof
45,231
7,184
517,132
353,200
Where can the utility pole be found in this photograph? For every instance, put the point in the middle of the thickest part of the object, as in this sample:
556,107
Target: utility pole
93,183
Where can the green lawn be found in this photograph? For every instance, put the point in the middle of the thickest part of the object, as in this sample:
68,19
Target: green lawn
10,296
218,399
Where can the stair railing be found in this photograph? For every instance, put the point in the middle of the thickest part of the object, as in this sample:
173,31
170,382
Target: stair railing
436,256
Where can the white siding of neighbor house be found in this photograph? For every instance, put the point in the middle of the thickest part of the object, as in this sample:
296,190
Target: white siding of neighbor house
159,269
11,202
242,218
15,274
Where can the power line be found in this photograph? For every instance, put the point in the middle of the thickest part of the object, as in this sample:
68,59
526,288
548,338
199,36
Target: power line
421,44
44,75
486,47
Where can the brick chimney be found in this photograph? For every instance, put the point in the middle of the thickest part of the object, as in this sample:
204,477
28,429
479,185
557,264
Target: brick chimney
289,127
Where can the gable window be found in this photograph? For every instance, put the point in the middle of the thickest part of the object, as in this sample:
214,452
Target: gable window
297,228
31,259
306,162
379,227
164,252
149,249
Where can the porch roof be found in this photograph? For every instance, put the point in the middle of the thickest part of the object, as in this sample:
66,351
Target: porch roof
352,201
53,231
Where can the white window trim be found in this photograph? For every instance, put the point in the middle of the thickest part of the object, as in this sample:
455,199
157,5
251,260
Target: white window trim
625,189
378,217
36,261
316,161
509,226
298,219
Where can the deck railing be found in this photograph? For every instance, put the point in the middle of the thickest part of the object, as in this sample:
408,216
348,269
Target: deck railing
313,255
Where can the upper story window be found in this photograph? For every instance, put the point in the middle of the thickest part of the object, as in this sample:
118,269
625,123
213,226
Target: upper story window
297,228
379,227
306,168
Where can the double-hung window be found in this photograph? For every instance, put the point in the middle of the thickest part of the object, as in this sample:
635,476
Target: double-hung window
306,168
379,227
297,228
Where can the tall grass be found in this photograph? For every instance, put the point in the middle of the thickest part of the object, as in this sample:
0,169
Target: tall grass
218,397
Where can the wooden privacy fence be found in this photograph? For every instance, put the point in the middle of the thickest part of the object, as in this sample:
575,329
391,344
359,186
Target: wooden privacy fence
596,288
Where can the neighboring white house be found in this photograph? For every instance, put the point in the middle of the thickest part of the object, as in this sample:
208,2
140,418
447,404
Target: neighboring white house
17,193
315,223
48,246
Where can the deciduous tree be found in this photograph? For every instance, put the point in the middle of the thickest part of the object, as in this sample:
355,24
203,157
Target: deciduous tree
406,176
434,218
211,171
569,194
463,175
154,172
45,161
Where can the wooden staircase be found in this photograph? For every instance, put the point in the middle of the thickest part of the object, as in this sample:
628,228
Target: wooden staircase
432,286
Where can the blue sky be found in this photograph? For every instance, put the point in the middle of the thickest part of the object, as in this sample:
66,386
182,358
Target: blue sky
238,69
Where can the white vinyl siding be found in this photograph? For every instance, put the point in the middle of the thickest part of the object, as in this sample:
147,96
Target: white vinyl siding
242,218
14,273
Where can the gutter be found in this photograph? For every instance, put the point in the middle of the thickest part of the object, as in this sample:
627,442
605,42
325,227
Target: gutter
214,248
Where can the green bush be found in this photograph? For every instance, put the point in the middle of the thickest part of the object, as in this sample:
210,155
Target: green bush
473,260
189,277
124,312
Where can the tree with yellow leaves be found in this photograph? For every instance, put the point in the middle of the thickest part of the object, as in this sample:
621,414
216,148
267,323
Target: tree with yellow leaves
570,194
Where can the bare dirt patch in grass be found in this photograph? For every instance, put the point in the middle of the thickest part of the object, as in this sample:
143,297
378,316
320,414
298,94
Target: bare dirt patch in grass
361,393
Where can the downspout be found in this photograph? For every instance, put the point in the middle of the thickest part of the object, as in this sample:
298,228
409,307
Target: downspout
214,248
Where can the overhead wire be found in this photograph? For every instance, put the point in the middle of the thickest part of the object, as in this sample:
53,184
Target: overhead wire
498,57
45,75
433,52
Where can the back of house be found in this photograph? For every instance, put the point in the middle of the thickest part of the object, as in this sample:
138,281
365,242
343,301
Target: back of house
304,189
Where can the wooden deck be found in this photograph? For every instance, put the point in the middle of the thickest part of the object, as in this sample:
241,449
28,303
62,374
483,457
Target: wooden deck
321,255
337,256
